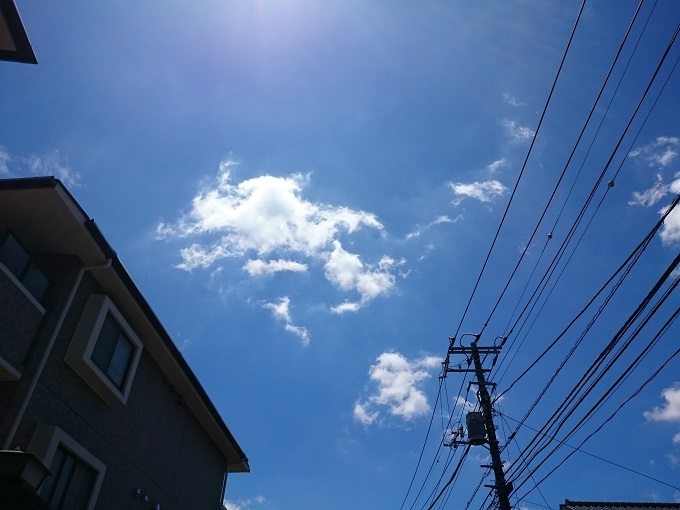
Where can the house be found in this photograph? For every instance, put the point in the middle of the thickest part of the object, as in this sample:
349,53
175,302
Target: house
98,408
601,505
14,43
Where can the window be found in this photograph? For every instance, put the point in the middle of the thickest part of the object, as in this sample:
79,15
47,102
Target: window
71,483
17,260
113,351
77,475
105,350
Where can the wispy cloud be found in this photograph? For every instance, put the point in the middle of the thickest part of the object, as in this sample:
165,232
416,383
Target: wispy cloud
52,164
495,166
512,100
265,267
437,221
281,310
517,133
652,195
486,191
48,164
465,404
398,381
346,307
5,158
660,153
244,504
670,230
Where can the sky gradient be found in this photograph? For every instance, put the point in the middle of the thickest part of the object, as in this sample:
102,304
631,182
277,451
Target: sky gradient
306,193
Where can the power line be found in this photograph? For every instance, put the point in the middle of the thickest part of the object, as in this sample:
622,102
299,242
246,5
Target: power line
566,166
526,159
575,399
580,450
633,395
632,258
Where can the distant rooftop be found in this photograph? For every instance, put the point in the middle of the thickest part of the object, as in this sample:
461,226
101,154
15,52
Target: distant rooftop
609,505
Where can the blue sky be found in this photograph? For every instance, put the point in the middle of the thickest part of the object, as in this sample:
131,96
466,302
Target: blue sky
306,193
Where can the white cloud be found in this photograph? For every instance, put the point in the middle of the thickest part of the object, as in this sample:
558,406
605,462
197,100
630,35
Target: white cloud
243,504
281,311
511,100
5,158
671,410
676,438
444,219
485,192
494,166
652,195
398,380
362,415
465,404
266,222
670,231
345,307
301,332
660,153
516,132
52,164
348,272
261,215
48,164
263,267
437,221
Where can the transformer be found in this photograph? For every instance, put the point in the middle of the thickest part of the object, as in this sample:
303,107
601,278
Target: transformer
476,428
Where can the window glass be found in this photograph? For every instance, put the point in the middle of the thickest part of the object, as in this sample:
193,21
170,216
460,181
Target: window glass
120,361
113,352
18,261
13,256
70,486
35,282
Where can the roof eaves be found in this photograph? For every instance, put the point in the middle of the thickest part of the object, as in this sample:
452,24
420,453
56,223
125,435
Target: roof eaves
124,277
23,52
117,265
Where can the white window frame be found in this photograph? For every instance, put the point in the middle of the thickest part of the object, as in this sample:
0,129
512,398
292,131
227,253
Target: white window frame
44,443
79,354
21,287
7,371
14,278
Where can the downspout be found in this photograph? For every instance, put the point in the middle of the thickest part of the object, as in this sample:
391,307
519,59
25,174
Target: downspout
46,353
224,489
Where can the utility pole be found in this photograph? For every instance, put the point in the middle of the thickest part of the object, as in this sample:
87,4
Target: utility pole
477,437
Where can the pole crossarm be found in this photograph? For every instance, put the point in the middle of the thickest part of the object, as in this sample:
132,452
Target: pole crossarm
472,354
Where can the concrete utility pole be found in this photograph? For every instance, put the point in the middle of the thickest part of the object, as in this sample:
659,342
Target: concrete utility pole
502,488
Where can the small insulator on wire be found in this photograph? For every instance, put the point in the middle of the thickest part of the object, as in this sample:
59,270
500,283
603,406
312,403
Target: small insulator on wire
550,235
610,184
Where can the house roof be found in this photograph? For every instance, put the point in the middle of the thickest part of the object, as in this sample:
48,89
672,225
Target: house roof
14,43
608,505
51,220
